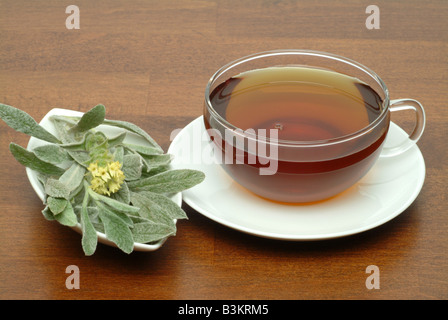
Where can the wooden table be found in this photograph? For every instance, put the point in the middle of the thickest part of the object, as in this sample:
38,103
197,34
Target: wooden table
148,62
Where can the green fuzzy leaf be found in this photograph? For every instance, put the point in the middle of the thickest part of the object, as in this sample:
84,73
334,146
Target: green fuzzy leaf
42,177
172,181
142,149
151,210
56,189
23,122
145,232
135,129
96,140
121,215
98,226
132,167
91,119
81,157
73,177
93,212
156,161
63,128
78,145
56,205
118,154
117,231
123,195
67,217
30,160
170,208
117,205
117,139
89,236
155,171
48,214
51,153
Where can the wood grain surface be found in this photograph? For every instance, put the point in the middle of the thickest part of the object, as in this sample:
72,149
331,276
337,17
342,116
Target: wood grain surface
148,62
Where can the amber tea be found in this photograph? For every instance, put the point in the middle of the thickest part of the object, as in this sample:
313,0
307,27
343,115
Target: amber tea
307,106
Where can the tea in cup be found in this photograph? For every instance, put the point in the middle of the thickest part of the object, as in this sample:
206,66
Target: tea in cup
301,126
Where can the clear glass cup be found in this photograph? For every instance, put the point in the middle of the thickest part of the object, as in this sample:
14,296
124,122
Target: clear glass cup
304,171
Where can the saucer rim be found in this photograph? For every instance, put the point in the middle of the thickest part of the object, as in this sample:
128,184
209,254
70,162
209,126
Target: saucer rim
301,237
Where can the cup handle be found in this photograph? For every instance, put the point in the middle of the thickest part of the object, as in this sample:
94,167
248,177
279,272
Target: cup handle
420,121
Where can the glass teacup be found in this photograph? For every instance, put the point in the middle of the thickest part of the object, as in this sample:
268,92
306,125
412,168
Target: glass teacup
301,126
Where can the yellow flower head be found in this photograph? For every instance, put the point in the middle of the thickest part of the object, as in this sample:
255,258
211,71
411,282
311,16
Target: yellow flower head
113,186
103,173
114,169
97,183
107,179
93,168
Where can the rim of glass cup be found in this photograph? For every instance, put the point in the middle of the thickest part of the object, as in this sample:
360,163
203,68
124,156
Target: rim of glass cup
293,143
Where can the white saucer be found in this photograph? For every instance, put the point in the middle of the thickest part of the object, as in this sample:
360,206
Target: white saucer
386,191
